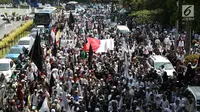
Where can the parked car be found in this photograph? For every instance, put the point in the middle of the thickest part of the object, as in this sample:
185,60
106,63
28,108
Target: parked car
26,42
157,61
7,67
31,16
35,30
33,34
15,52
2,16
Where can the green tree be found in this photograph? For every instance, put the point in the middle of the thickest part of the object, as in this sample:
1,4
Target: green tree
142,10
5,1
146,16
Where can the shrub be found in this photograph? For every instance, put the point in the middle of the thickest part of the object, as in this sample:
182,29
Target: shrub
14,14
6,13
191,58
8,38
2,44
6,41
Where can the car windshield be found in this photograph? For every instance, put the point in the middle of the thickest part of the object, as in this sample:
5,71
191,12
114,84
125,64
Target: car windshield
167,65
35,30
4,66
15,51
23,42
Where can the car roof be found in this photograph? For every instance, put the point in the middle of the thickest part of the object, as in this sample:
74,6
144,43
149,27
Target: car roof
72,2
5,60
17,46
25,38
122,27
159,58
39,26
195,90
47,11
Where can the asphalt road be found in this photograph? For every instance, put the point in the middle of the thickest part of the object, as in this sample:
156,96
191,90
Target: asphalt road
1,23
6,28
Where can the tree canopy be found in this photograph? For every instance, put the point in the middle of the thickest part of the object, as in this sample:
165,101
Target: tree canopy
5,1
165,12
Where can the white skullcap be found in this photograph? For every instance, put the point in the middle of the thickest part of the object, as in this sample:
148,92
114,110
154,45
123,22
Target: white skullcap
53,110
97,109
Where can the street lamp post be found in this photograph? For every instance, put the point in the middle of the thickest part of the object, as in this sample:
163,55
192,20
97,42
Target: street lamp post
177,26
112,9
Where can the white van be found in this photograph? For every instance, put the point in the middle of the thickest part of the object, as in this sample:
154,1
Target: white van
27,42
193,92
157,61
122,29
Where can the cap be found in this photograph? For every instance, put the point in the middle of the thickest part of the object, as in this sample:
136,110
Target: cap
55,100
33,107
53,110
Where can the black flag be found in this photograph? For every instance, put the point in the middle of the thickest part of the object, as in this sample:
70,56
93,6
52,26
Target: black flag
54,52
90,57
86,25
71,21
71,18
35,53
199,61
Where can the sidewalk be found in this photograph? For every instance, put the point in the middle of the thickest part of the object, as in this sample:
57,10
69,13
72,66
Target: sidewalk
7,28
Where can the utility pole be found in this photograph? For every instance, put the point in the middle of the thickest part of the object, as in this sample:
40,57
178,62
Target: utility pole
112,10
188,15
188,38
177,27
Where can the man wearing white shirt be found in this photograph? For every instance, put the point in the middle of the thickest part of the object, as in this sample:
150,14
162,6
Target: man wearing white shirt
34,98
165,102
167,43
30,74
148,94
177,105
130,84
130,76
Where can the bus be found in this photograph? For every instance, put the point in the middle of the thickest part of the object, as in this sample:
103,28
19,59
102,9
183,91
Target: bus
45,17
71,5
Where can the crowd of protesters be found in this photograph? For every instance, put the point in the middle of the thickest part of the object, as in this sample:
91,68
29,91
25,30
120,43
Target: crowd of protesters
112,82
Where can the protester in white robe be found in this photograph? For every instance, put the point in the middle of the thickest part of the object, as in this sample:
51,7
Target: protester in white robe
181,43
167,43
165,102
34,98
30,74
